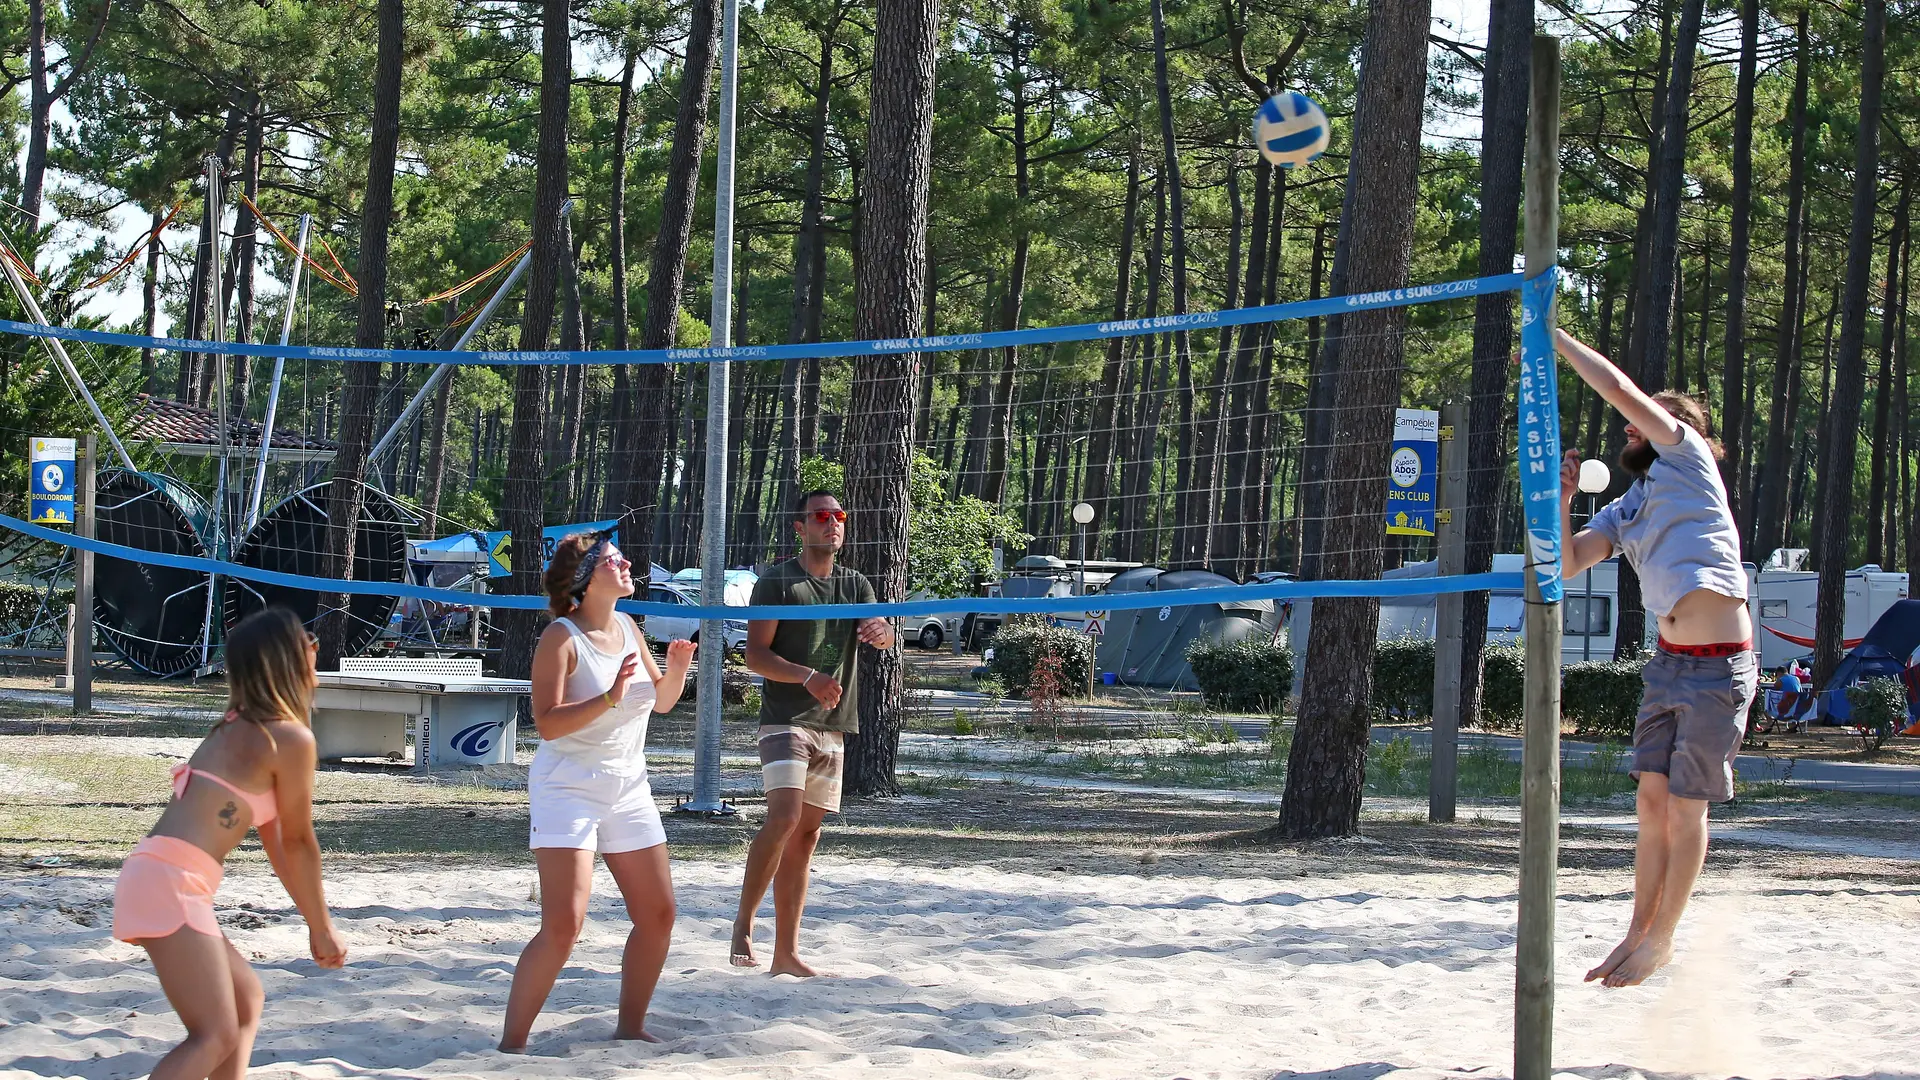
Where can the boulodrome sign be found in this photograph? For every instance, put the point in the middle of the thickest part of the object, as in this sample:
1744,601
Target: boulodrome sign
50,481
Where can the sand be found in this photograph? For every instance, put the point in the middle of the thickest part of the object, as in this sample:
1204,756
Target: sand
975,971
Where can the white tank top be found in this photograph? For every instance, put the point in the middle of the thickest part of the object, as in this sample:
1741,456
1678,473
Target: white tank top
615,742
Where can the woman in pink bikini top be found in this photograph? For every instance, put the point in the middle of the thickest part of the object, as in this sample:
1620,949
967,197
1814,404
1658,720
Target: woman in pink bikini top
255,769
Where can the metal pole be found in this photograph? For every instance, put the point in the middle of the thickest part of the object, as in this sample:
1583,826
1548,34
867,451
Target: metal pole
1449,612
217,526
279,366
1540,763
400,424
713,546
1586,626
63,361
82,655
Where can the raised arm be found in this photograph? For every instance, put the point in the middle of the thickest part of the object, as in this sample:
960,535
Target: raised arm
1654,422
668,685
291,846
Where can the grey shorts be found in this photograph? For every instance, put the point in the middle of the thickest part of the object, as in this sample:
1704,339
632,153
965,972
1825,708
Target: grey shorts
1692,718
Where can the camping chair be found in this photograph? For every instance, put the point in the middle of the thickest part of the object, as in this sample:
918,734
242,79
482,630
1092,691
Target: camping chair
1788,707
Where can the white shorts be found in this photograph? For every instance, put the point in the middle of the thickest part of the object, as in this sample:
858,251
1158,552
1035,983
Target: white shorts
572,806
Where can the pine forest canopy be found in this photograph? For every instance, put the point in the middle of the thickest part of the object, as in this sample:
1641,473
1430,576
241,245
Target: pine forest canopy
1053,200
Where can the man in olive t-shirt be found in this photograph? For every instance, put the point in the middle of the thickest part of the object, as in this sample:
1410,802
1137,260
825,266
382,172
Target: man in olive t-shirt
808,706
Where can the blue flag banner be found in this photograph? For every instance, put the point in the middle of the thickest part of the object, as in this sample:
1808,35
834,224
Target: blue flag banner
1540,432
1413,472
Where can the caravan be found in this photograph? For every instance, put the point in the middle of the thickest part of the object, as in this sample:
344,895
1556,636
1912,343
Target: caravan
1591,610
1785,603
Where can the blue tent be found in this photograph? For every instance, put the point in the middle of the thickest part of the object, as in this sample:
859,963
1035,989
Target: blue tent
1891,650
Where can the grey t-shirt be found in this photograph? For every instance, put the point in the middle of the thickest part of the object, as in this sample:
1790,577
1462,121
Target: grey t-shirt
1675,527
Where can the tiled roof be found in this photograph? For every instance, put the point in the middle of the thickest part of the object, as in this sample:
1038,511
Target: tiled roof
166,420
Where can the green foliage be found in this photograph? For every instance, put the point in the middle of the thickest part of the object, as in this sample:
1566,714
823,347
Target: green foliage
1018,647
1403,678
962,723
1602,698
1503,683
1879,710
1244,676
949,538
24,608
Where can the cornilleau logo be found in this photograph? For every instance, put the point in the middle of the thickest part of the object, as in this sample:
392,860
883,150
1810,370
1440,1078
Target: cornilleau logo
476,740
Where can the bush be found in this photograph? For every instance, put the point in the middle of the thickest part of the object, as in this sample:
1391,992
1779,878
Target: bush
1503,698
1879,710
1403,678
20,610
1602,698
1244,676
1019,646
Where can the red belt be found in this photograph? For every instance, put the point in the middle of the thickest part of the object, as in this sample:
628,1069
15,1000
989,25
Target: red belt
1724,648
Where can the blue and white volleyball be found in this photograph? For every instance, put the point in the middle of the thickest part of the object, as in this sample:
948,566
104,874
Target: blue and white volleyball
1291,129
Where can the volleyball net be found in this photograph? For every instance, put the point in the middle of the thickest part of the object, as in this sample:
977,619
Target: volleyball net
1201,444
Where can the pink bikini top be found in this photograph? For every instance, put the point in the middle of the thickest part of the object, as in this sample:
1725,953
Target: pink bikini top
262,805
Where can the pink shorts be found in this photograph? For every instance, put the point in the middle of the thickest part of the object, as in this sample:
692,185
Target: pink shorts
167,883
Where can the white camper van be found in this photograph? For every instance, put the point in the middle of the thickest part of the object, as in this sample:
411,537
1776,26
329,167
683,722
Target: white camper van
1591,609
1785,601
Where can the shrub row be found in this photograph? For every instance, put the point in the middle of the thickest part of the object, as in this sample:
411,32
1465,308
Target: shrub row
1242,676
20,608
1020,644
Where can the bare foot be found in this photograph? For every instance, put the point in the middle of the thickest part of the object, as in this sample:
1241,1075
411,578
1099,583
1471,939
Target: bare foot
1620,953
741,951
1650,957
791,965
505,1049
638,1036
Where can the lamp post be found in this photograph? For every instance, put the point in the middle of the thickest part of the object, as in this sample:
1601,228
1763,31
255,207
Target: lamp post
1594,479
1083,516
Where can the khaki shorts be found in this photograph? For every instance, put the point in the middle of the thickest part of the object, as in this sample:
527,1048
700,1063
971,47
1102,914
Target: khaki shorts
804,758
1692,718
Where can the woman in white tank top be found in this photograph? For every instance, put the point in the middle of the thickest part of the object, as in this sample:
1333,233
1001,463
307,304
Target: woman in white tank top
595,685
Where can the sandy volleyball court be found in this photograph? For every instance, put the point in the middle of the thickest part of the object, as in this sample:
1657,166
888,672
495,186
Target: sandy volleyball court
977,971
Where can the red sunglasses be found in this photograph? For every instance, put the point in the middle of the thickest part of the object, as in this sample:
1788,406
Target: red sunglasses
821,517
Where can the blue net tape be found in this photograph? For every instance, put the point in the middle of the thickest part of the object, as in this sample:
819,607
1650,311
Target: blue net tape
1044,605
1204,320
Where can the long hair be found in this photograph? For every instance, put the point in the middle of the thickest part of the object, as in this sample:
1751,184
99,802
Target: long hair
270,672
1691,411
562,598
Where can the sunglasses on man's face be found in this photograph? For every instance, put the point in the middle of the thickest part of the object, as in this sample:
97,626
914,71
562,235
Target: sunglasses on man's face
821,517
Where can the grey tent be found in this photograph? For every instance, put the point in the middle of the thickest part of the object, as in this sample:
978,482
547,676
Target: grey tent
1148,646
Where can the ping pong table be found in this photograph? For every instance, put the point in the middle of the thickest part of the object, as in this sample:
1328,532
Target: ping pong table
458,715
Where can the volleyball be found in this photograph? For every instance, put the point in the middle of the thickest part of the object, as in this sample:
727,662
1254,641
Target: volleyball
1290,129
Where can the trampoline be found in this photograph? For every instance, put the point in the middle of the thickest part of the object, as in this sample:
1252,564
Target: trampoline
291,539
153,616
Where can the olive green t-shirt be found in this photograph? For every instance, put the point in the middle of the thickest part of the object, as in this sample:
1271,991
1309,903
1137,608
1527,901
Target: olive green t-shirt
828,646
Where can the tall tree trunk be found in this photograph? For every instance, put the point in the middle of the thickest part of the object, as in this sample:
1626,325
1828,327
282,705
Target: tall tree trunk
1503,123
923,408
437,451
653,383
1326,770
359,398
1177,226
246,253
1770,517
1903,412
1843,411
1216,534
526,472
41,98
150,303
1137,478
620,479
200,289
570,417
1879,550
1653,322
993,487
1100,440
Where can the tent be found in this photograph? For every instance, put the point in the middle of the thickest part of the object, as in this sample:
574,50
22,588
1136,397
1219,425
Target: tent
1891,650
1148,646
